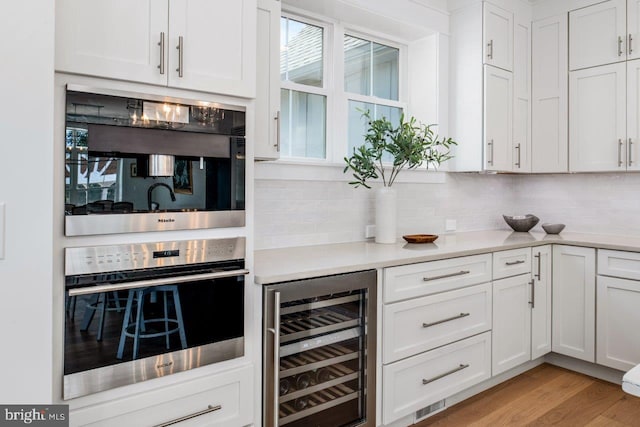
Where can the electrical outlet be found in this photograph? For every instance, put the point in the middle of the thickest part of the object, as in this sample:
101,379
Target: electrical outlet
450,225
370,231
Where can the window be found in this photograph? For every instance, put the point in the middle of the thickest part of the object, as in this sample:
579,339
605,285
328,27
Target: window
303,99
320,86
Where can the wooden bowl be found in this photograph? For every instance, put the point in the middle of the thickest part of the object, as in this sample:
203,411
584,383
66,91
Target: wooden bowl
420,238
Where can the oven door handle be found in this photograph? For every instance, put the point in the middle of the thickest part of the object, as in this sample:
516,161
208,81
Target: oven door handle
109,287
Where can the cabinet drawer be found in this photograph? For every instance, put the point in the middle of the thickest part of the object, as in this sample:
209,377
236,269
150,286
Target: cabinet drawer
625,265
417,325
419,381
228,396
511,263
415,280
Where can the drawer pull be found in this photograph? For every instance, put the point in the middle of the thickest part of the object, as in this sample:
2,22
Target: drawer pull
453,371
444,276
520,261
209,409
459,316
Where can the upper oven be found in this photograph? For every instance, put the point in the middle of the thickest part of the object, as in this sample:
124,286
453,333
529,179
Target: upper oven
136,163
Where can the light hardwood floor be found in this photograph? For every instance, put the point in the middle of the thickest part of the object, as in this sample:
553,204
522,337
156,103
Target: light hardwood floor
545,395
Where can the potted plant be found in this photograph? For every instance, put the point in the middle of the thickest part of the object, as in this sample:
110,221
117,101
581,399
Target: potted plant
410,145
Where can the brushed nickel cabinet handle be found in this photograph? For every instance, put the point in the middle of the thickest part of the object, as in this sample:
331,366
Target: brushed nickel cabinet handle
209,409
518,162
630,41
276,354
448,319
277,119
180,48
520,261
161,44
490,145
533,294
539,273
620,46
444,276
630,151
446,374
490,49
620,152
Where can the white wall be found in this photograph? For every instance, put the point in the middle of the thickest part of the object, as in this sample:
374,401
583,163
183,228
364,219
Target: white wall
298,213
26,129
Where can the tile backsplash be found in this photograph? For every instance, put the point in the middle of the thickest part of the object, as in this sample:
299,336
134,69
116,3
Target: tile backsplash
297,213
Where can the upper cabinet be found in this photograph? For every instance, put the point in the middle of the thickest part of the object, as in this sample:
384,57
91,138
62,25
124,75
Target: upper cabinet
498,113
598,35
267,139
206,45
498,37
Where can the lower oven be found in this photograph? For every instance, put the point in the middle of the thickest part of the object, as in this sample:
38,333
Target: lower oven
320,352
140,311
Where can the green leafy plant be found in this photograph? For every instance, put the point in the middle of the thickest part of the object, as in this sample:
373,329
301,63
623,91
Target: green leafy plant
410,144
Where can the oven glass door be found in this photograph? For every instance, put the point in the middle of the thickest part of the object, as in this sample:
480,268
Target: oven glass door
123,322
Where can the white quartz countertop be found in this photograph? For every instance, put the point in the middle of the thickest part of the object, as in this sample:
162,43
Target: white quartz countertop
281,265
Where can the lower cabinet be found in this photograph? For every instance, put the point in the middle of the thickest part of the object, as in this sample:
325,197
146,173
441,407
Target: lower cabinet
224,399
574,302
541,297
421,380
511,322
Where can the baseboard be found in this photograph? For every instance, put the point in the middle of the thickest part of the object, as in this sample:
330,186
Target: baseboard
587,368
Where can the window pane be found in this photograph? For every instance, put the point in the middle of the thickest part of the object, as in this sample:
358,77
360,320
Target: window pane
301,52
385,71
357,65
357,126
370,69
302,132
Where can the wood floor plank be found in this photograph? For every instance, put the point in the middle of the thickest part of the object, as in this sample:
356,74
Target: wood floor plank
493,399
602,421
626,411
583,407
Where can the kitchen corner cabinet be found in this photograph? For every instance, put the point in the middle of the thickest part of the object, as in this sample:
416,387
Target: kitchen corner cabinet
521,145
267,139
498,118
618,316
574,298
550,83
206,45
541,301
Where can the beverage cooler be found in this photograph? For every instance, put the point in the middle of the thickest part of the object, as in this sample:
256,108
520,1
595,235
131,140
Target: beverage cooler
319,351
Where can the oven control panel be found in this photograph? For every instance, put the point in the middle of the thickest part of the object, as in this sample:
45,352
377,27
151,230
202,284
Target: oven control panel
102,259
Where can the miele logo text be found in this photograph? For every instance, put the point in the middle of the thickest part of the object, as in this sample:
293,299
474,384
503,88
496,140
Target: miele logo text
164,365
52,415
166,220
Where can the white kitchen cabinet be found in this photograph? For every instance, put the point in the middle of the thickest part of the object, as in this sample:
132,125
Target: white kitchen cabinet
267,123
541,297
497,36
511,263
633,29
633,115
550,83
206,45
522,96
574,297
597,35
618,342
597,119
511,338
498,118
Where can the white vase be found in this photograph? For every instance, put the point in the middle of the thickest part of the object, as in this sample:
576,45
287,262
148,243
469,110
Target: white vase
386,215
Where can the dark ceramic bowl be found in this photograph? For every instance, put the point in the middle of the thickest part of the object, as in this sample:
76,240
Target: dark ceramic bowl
521,223
552,228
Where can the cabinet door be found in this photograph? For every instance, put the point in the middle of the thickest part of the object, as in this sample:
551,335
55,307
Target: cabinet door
574,302
498,112
597,34
511,340
618,317
522,97
541,297
633,29
117,39
597,113
218,47
633,115
498,37
267,135
550,83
